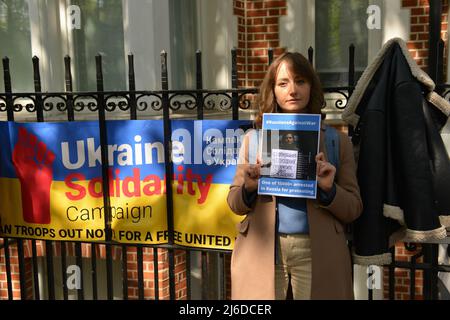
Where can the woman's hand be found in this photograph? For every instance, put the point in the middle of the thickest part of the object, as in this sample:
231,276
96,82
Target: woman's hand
252,173
325,173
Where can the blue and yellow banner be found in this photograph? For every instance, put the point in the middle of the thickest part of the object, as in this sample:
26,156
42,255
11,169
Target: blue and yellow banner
51,181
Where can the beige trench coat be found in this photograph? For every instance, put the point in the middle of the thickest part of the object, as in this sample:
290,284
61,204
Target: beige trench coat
253,257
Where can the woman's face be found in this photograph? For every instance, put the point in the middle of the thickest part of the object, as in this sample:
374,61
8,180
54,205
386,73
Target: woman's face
291,91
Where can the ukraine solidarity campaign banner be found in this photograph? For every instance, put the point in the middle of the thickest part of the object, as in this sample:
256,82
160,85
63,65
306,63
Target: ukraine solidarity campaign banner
51,181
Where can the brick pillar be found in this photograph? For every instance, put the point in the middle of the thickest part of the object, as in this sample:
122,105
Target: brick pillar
419,37
402,276
14,263
132,273
257,32
163,274
180,275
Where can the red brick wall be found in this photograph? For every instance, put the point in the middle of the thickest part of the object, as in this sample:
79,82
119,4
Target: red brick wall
163,274
14,265
402,276
148,270
258,31
418,42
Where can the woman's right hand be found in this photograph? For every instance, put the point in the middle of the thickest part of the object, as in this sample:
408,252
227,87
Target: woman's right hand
251,175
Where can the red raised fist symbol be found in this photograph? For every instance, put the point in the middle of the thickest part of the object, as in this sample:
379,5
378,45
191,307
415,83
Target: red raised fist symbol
33,164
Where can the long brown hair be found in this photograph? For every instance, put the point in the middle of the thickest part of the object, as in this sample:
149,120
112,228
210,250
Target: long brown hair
300,66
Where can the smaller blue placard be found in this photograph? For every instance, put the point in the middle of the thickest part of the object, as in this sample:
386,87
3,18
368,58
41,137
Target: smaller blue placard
289,144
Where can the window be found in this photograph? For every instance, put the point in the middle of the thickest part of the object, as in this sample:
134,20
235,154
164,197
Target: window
340,23
15,39
101,32
183,43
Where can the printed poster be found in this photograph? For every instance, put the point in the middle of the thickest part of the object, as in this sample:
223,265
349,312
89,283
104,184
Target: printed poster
289,145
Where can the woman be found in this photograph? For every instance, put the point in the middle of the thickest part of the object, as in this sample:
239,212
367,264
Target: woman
294,239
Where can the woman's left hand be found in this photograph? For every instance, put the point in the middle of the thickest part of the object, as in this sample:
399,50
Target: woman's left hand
325,173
